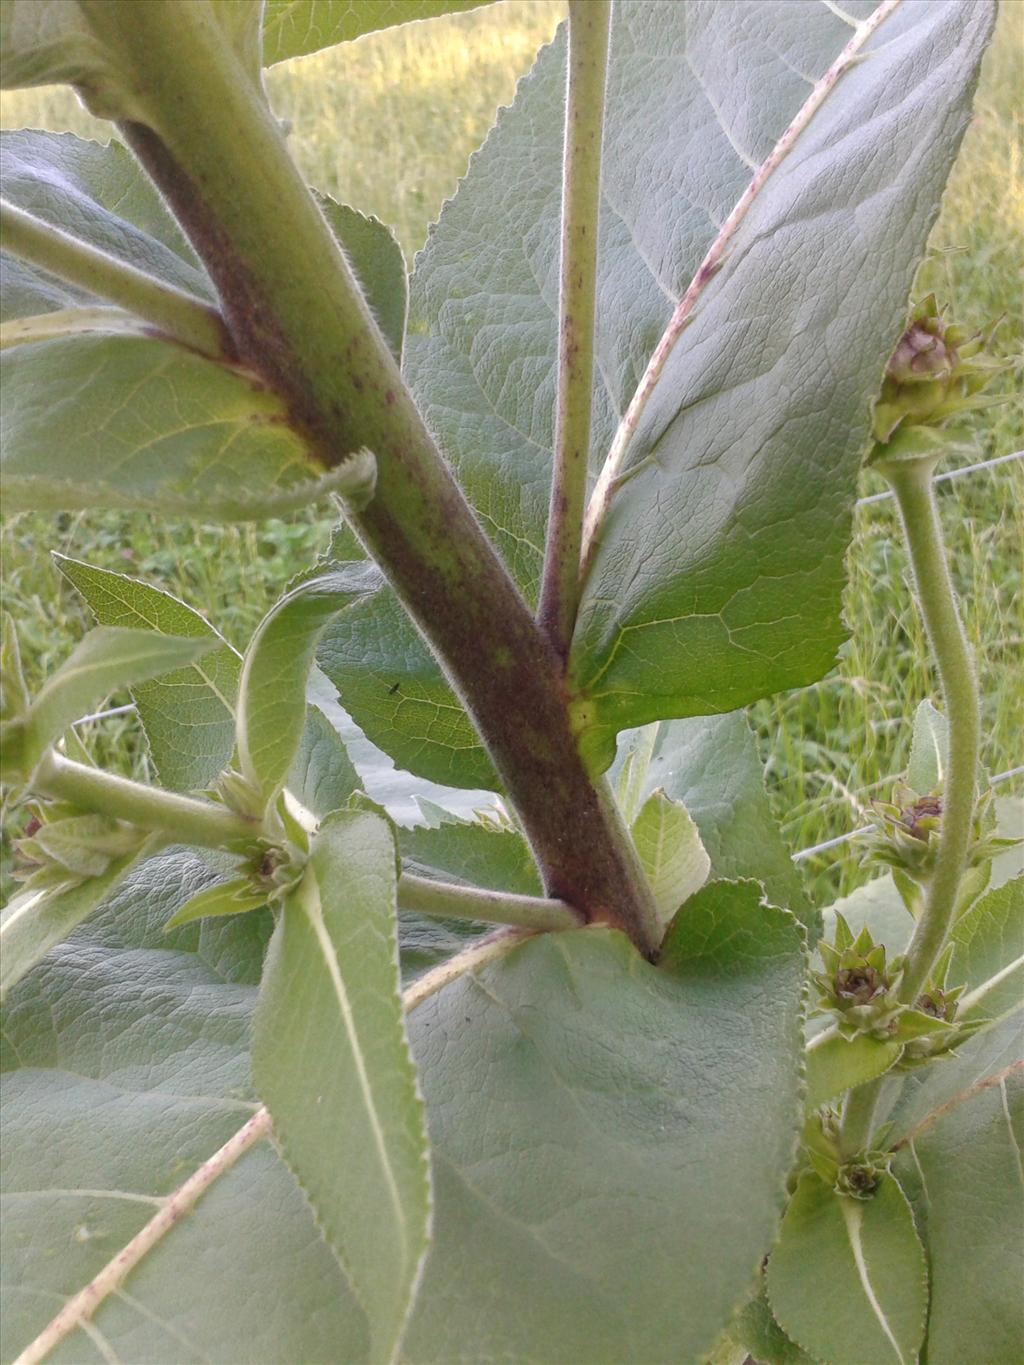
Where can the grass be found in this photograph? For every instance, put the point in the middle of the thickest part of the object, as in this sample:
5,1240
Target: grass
388,124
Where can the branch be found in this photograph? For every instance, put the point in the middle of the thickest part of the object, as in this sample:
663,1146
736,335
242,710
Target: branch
80,1309
607,482
450,901
581,182
172,311
298,317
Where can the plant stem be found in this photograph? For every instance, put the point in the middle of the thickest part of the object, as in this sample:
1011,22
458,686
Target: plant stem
82,1307
448,900
911,482
172,311
581,180
298,317
188,820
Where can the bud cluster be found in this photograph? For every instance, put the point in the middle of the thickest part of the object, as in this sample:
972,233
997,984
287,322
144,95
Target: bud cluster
857,1178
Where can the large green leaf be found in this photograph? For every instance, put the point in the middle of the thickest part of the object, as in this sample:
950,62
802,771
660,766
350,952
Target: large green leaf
106,659
391,684
332,1063
848,1280
602,1194
291,28
272,690
126,1061
718,573
322,776
711,764
988,952
965,1181
188,715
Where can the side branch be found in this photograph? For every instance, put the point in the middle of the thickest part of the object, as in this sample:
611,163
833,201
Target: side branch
584,125
181,316
451,901
604,490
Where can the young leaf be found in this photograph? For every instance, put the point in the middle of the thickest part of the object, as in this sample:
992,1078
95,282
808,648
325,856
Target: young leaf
322,776
763,1338
188,715
232,897
711,764
599,1065
374,254
964,1179
848,1280
197,438
107,658
673,857
929,749
332,1062
126,1052
836,1064
291,28
272,691
37,919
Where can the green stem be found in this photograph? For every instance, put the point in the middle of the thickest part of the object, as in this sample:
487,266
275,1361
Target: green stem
449,900
298,317
912,484
177,314
188,820
581,179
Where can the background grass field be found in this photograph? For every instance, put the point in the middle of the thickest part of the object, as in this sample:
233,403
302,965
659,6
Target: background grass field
387,124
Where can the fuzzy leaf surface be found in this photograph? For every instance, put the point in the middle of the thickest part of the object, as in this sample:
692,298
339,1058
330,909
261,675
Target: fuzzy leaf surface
292,28
848,1280
126,1061
965,1182
188,714
837,1064
107,658
929,751
671,853
348,1118
570,1087
272,691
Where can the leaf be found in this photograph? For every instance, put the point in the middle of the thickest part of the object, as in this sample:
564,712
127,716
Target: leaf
718,574
836,1064
762,1336
711,764
397,694
196,438
106,659
374,254
233,897
569,1088
126,1066
188,715
988,953
929,750
291,28
272,691
671,853
36,920
964,1179
331,1061
848,1280
322,776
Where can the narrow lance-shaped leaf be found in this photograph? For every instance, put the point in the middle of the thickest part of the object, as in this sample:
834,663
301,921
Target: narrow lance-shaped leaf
848,1280
108,658
836,1064
332,1063
272,692
672,855
929,749
291,28
188,715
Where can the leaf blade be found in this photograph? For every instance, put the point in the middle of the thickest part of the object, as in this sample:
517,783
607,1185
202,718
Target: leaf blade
293,28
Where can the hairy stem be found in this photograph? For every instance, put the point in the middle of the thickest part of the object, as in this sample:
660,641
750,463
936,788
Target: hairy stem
911,481
82,1307
187,819
581,179
611,472
448,900
298,317
912,484
173,312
